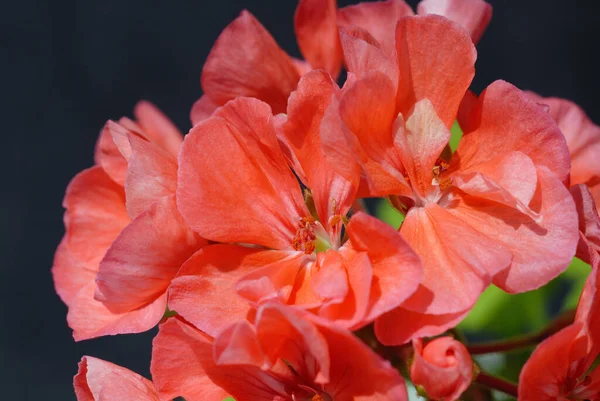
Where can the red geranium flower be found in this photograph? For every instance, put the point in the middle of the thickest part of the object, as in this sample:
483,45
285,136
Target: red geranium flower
125,239
286,355
495,211
243,194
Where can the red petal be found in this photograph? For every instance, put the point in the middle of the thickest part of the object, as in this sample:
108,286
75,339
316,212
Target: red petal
151,175
181,358
202,109
473,15
436,59
285,276
362,54
544,375
108,155
302,133
246,61
95,215
368,108
205,280
583,140
98,380
505,120
141,263
285,334
238,345
219,159
90,318
396,268
541,251
331,280
509,179
317,34
356,372
458,260
69,273
157,126
400,325
589,222
378,18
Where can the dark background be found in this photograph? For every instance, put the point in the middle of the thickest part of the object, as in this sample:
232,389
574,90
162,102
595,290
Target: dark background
68,66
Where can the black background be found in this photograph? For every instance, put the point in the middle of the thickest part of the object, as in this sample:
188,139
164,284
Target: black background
68,66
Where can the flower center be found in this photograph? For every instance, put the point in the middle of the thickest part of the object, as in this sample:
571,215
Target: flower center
310,237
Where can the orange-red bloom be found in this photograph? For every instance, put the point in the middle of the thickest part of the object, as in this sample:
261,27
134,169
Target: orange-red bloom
494,211
583,140
562,367
125,239
243,192
285,355
246,60
98,380
443,367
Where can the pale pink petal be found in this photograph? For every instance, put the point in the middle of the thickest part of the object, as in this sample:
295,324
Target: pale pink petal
420,143
473,15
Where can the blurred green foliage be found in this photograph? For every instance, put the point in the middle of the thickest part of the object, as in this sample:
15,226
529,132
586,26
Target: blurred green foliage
456,135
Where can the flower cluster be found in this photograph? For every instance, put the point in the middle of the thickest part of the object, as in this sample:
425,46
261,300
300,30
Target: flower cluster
248,241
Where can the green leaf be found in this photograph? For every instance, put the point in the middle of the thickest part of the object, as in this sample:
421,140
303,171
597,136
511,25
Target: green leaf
456,135
388,214
499,314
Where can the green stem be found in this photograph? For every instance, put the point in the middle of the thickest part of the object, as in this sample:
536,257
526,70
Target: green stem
496,383
527,340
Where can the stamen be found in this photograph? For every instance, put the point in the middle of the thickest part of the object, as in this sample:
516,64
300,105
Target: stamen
335,220
438,169
304,240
